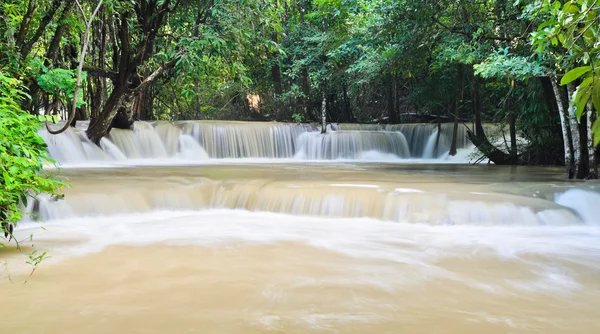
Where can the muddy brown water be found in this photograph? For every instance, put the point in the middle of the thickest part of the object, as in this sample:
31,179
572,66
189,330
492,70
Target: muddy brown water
310,248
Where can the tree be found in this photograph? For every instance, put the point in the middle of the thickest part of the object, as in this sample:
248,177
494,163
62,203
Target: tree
568,36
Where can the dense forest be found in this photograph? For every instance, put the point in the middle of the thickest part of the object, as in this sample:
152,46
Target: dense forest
528,64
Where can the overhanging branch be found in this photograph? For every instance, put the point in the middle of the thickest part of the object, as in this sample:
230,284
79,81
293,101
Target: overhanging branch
158,72
464,33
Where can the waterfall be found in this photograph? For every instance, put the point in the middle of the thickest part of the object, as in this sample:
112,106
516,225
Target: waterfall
246,139
201,140
142,142
418,136
312,198
189,149
350,145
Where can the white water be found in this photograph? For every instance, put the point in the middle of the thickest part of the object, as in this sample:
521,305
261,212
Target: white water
361,237
162,141
224,246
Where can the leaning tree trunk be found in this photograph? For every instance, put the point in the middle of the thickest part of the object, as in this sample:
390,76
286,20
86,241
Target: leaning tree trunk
478,137
124,117
513,137
100,126
575,136
592,158
564,123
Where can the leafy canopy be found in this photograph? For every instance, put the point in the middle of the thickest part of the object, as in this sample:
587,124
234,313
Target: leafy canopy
22,154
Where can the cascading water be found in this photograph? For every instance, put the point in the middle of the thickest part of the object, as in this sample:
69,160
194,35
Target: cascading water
312,199
303,246
352,145
197,222
246,140
234,140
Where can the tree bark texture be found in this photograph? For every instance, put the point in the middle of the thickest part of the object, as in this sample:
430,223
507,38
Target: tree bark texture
564,123
592,156
127,58
575,135
323,112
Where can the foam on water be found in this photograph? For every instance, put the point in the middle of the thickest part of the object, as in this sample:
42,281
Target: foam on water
585,203
155,143
418,245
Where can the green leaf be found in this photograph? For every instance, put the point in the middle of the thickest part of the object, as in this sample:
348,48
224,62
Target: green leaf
581,99
574,74
596,95
596,130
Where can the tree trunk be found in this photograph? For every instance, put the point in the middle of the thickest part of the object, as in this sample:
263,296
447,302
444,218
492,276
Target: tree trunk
478,137
564,123
100,126
26,47
546,83
323,112
323,89
575,136
455,108
124,118
390,101
436,151
513,137
477,106
86,41
592,157
348,107
24,26
127,58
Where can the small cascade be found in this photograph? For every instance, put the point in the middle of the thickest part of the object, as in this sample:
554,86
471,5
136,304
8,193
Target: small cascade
189,149
142,142
309,198
246,139
112,150
418,136
351,145
169,133
71,147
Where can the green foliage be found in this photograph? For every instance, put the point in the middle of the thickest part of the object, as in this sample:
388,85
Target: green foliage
569,36
61,83
289,52
504,65
574,74
298,118
22,155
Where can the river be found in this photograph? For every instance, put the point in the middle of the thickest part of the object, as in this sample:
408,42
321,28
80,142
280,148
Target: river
231,227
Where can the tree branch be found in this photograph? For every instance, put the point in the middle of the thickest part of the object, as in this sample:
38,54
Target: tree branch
100,72
464,33
41,28
25,22
86,41
156,74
